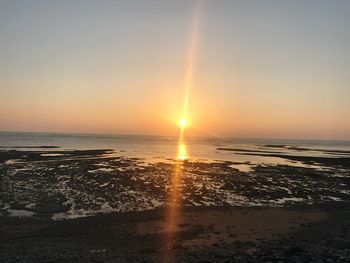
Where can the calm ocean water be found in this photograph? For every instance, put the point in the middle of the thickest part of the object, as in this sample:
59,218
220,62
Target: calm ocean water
160,148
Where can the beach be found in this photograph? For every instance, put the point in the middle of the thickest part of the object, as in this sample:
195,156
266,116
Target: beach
104,205
211,234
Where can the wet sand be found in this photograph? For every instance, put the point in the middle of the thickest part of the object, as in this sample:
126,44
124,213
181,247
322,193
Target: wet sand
94,206
206,234
342,162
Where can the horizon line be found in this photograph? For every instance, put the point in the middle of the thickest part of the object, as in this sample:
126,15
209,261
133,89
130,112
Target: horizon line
175,136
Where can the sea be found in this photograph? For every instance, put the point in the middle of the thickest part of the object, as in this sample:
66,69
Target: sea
165,148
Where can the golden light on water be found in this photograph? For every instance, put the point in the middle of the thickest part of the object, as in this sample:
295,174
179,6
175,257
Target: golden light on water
182,152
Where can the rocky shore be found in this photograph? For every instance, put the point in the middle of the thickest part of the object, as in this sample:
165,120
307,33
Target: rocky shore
95,206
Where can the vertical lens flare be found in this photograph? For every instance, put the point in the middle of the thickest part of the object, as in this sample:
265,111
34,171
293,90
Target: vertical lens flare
191,61
173,212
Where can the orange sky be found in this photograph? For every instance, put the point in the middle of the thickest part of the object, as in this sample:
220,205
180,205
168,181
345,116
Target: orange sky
276,70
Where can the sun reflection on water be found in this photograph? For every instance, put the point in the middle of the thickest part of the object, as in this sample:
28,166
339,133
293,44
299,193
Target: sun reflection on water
182,154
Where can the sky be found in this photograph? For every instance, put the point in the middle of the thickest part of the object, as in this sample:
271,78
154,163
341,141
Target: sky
266,69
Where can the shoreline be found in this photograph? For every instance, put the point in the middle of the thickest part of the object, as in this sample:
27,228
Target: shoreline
73,183
275,213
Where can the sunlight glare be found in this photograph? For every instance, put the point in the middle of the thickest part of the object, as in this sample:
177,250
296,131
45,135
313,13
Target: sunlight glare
183,122
182,152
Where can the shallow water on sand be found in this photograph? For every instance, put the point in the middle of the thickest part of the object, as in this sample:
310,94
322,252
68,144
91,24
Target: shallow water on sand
245,152
69,176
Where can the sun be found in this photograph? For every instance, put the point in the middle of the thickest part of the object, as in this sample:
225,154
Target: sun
183,123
